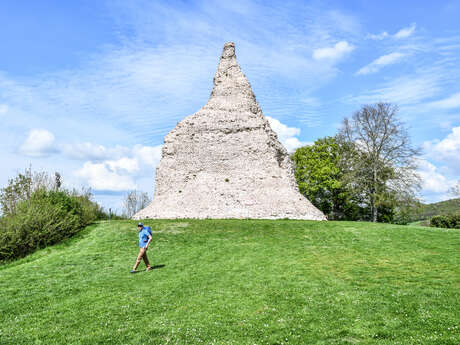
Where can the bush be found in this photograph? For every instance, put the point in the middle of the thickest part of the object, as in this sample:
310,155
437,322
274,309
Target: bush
46,218
450,221
91,211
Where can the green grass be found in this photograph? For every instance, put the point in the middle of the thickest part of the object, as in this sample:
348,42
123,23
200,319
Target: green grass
420,223
238,282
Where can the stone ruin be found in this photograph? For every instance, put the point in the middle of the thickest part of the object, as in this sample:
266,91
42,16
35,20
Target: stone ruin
225,161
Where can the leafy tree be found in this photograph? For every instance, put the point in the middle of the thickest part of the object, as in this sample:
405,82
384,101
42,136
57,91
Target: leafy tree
383,168
319,171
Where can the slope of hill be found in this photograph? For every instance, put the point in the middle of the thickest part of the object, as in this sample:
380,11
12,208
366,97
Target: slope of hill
238,282
426,211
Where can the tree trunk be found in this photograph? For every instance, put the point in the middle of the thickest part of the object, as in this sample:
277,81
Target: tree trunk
373,197
374,213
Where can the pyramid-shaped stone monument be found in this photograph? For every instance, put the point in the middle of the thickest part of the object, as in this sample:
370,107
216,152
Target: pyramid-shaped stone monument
225,161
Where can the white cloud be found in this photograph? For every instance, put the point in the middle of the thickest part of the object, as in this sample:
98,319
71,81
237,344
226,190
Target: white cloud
433,181
450,102
124,165
378,37
100,176
282,130
446,150
39,143
124,89
344,22
149,155
120,173
291,144
438,179
402,33
406,90
333,53
3,109
405,32
287,135
92,152
378,63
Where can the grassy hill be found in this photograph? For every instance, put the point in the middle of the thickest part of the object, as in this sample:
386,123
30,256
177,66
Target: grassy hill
238,282
426,211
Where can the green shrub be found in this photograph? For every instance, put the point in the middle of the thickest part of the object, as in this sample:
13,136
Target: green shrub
450,221
90,210
46,218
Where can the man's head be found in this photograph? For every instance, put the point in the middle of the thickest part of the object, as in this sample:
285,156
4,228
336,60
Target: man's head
140,226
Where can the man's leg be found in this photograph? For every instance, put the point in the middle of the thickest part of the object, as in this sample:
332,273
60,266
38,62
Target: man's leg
146,259
139,258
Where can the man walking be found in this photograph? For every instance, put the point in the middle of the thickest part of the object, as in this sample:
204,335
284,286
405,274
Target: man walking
144,240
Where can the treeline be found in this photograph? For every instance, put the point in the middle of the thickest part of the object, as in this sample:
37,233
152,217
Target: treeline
367,171
426,211
37,212
446,213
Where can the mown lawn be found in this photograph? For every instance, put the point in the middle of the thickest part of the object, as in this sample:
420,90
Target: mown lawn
238,282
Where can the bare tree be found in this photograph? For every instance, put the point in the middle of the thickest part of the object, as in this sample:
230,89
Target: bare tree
455,191
57,181
384,166
134,202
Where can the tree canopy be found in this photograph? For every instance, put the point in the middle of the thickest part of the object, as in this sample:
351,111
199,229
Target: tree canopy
320,171
367,171
383,170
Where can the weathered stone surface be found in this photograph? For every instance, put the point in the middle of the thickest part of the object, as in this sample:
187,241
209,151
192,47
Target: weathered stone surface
225,161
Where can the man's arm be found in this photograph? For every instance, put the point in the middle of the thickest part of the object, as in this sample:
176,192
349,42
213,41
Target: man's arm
148,242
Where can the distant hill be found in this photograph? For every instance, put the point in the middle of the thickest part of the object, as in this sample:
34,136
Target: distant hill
426,211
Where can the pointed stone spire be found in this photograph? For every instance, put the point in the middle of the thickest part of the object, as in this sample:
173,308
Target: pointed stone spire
225,161
231,87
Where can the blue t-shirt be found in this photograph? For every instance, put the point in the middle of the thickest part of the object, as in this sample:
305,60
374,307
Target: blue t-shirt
143,237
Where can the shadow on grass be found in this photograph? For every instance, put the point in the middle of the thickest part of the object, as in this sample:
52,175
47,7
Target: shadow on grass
153,268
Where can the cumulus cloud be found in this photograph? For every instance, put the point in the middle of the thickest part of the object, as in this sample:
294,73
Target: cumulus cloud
119,173
124,165
335,52
3,109
450,102
446,150
101,176
287,135
380,62
291,144
439,177
39,143
149,155
433,180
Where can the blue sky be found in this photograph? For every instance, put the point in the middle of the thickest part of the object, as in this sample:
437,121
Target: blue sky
90,88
